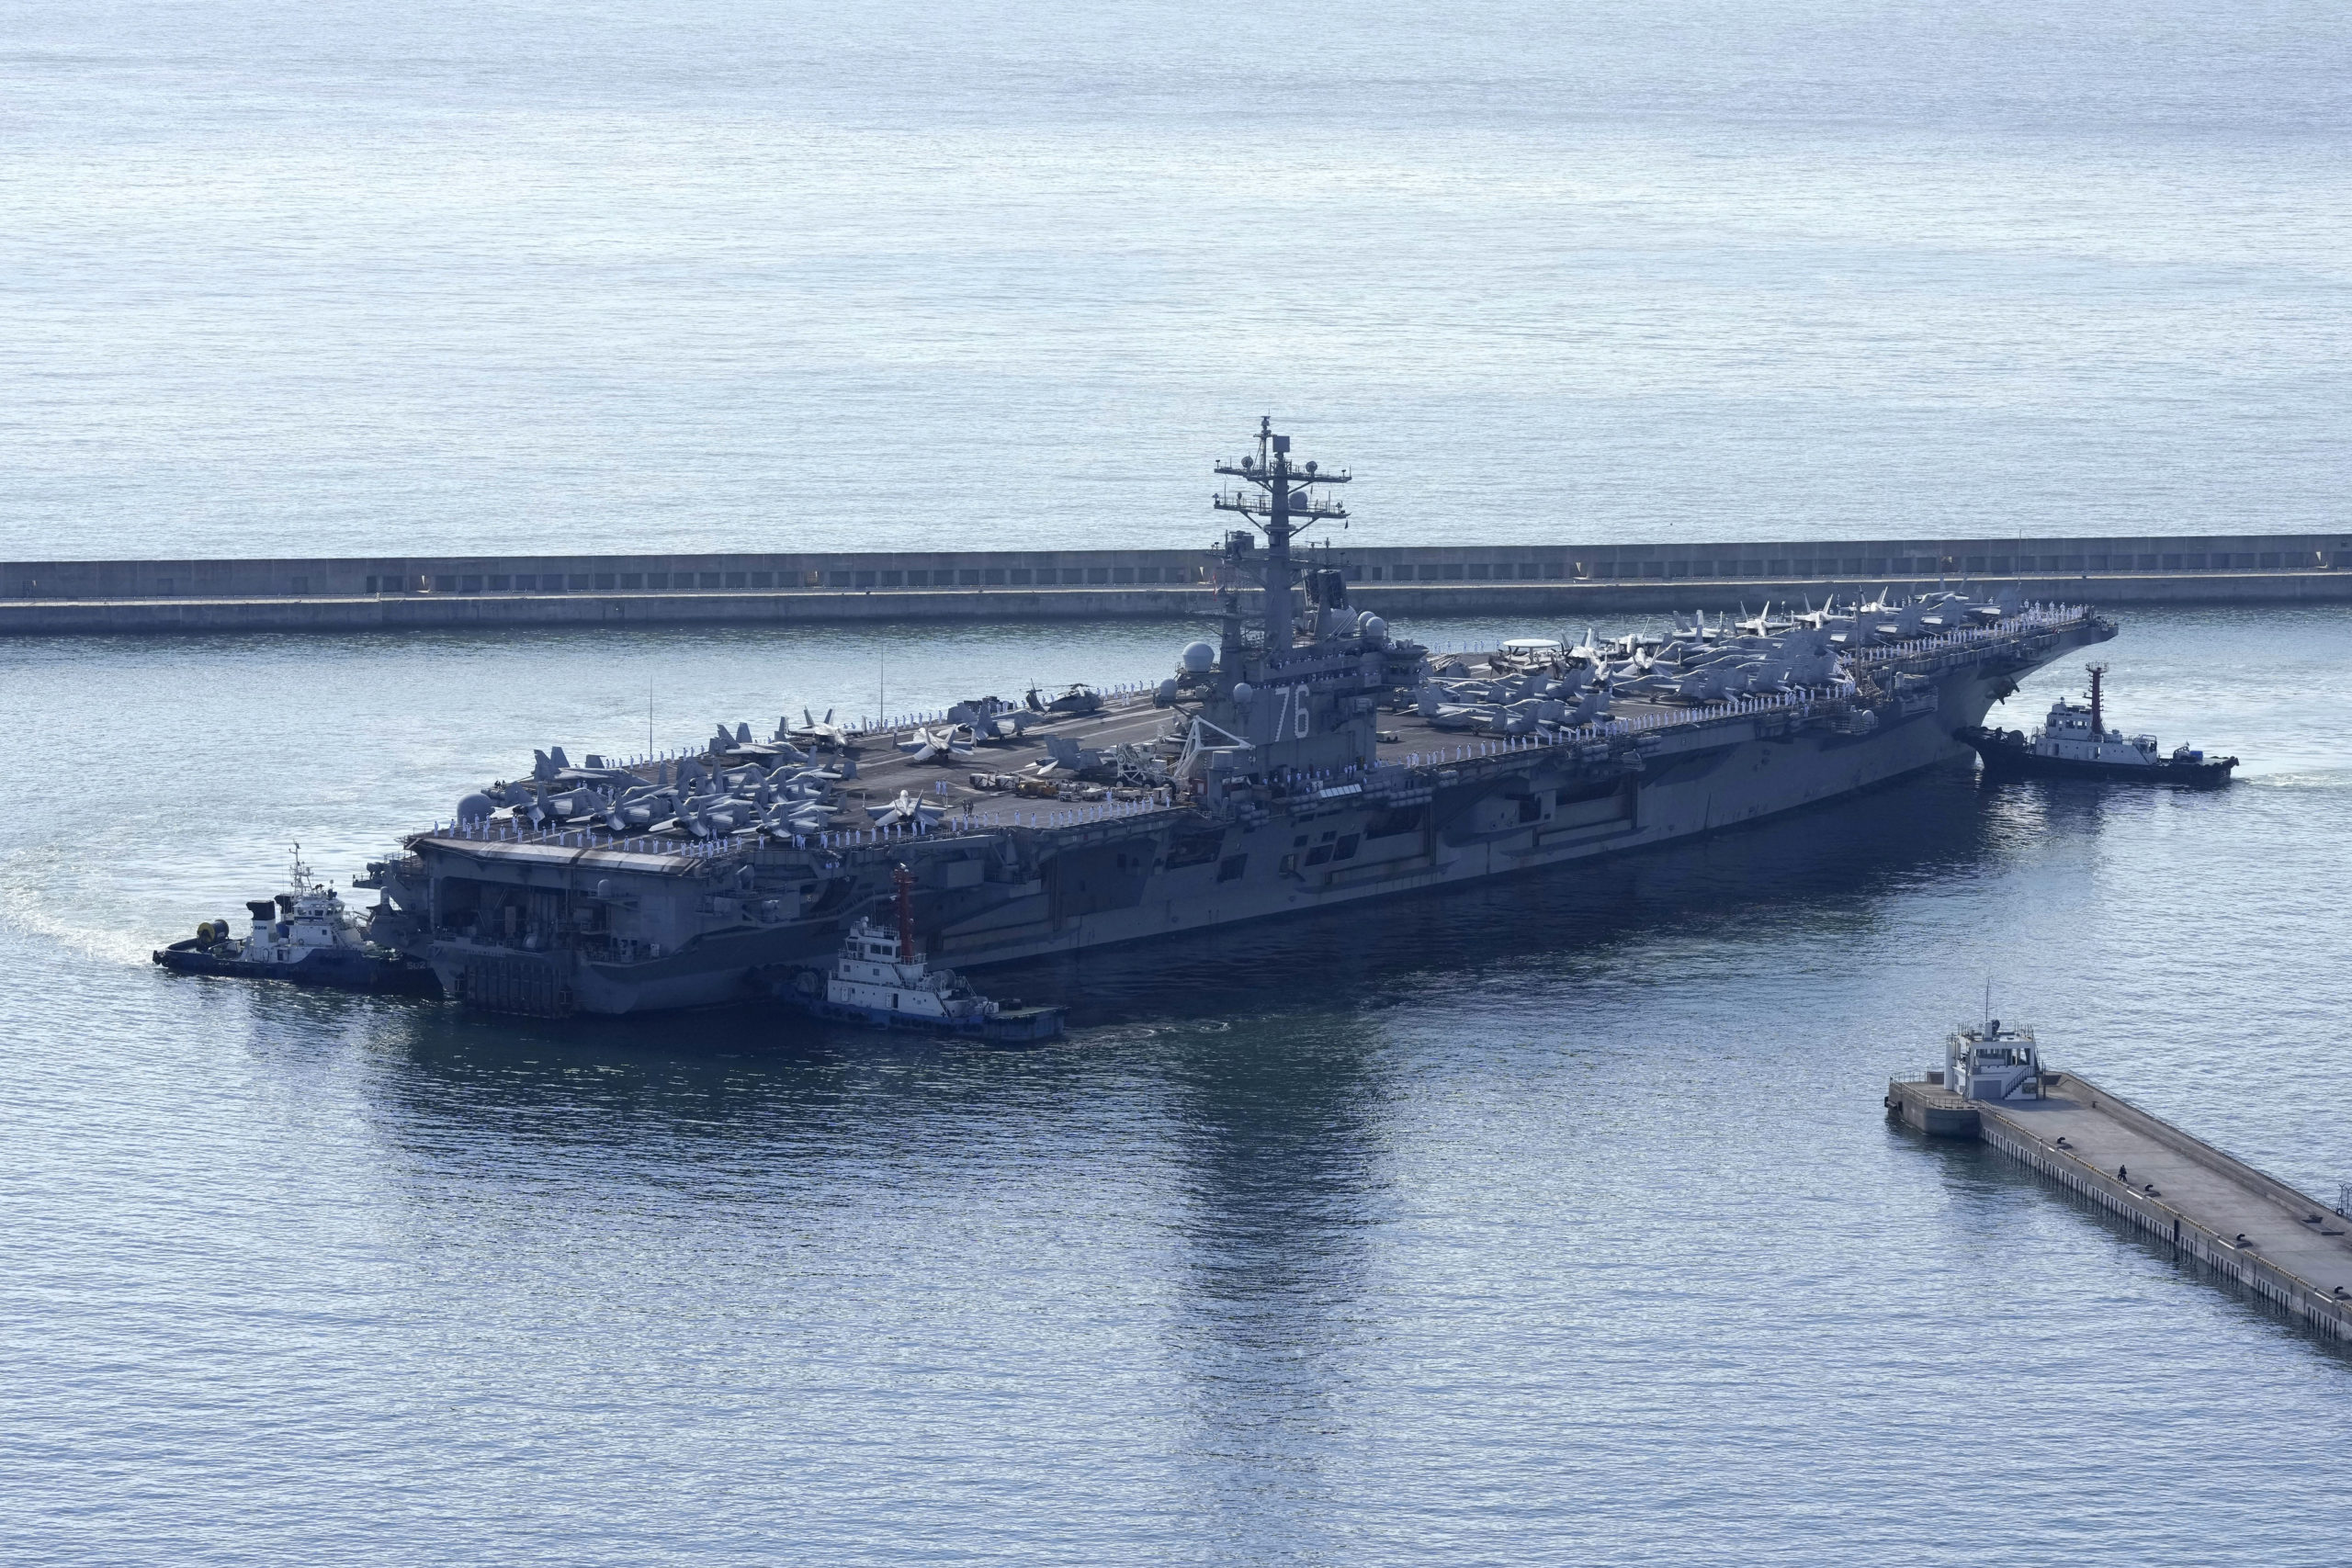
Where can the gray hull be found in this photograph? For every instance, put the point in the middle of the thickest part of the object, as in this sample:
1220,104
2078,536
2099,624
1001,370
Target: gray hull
630,931
1690,784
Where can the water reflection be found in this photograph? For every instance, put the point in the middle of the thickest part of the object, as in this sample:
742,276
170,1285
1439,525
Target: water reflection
1308,1218
659,1087
751,1071
2075,807
1283,1140
1995,1199
1239,1091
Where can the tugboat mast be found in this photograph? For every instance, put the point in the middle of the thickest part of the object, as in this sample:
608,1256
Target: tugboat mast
903,881
1282,505
2099,712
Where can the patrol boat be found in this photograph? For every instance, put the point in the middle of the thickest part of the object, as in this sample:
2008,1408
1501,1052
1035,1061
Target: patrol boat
306,935
1988,1062
880,977
2074,742
1302,755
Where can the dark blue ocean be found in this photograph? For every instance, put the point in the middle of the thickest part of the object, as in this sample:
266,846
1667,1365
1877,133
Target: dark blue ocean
1550,1221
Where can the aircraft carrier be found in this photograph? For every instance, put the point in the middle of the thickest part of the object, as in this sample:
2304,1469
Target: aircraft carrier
1308,758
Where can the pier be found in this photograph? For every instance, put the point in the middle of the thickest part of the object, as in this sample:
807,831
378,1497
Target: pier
347,594
2282,1245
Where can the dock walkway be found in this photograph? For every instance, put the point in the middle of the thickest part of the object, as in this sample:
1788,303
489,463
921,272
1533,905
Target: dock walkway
2279,1243
1561,581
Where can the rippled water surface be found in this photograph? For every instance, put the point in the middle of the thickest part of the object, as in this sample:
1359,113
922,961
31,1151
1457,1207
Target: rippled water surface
499,275
1550,1220
1553,1220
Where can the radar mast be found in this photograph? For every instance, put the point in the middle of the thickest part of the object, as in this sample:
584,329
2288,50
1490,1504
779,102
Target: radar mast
1282,503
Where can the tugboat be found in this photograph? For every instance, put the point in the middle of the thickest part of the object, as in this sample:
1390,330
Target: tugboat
306,935
880,979
2074,743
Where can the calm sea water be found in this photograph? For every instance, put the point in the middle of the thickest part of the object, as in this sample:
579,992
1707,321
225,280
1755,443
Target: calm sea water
1551,1221
345,278
1555,1220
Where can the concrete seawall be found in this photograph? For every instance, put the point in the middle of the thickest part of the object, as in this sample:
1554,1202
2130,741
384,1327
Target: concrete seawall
364,593
1562,600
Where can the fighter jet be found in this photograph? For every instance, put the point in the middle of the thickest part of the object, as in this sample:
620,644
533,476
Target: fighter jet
637,815
908,807
803,819
822,734
715,815
1953,612
552,766
949,743
1816,620
1589,652
1892,618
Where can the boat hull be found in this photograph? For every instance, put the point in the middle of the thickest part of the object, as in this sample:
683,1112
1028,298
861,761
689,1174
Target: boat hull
2007,760
1011,1025
335,970
1749,782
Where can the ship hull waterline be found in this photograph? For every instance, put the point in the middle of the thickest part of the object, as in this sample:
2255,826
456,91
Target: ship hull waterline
1719,785
337,971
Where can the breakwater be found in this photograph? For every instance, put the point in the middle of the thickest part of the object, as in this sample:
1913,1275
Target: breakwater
2279,1243
364,593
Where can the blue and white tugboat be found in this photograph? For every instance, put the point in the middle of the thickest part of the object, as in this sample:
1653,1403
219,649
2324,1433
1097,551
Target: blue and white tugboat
880,979
306,935
2074,743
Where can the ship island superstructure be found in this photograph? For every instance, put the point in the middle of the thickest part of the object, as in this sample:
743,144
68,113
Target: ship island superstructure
1309,757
